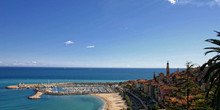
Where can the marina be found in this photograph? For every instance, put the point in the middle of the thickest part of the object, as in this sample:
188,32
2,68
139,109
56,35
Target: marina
67,88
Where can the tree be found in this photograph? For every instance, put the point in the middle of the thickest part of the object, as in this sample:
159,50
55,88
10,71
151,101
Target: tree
212,74
120,93
129,108
184,89
156,107
188,82
129,103
126,97
143,94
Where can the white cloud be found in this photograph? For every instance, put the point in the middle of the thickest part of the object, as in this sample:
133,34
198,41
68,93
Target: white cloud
16,63
214,2
196,2
68,42
34,62
24,63
172,1
91,46
0,61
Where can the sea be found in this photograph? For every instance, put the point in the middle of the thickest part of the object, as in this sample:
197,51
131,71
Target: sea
17,99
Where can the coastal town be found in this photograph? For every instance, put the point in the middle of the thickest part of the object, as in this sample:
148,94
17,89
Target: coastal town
167,91
160,92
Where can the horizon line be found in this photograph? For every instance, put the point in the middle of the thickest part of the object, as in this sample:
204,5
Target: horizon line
80,67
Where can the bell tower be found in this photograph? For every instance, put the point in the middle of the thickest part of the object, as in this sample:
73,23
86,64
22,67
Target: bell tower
168,68
154,75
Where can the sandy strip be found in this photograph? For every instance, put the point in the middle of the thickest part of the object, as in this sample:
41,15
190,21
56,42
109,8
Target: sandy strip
113,101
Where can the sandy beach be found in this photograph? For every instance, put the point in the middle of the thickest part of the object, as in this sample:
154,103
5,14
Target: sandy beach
113,101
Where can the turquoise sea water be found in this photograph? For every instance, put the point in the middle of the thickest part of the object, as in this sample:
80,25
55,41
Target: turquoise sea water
17,99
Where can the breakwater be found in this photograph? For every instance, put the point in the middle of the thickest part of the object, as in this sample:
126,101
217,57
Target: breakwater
22,86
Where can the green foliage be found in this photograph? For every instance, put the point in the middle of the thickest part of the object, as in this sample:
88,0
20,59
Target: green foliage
110,85
185,88
129,108
140,107
128,86
156,107
120,83
201,103
129,103
126,97
161,106
133,88
120,93
143,94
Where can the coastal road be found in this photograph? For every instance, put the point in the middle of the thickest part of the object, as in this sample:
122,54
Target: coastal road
143,104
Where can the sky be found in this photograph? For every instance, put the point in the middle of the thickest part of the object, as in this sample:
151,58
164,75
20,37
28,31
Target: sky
106,33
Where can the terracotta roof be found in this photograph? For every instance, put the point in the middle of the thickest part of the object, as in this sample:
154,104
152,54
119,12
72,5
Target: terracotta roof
154,84
132,81
172,74
142,80
161,74
147,83
165,87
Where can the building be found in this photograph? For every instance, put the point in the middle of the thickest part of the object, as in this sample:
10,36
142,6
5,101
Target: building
168,68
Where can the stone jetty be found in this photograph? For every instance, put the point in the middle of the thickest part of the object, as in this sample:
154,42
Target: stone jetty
12,87
36,96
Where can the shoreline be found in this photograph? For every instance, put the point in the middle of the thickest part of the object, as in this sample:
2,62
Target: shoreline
113,101
106,104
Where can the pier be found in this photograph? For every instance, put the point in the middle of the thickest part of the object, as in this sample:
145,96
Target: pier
36,96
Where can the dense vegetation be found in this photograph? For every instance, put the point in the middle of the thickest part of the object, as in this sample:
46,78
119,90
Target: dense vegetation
189,93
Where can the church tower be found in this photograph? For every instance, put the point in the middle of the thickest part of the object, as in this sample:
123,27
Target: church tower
154,75
168,68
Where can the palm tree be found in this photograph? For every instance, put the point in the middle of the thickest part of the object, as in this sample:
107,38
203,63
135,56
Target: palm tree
212,74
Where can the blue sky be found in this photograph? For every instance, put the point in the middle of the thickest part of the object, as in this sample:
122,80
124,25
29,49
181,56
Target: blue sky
106,33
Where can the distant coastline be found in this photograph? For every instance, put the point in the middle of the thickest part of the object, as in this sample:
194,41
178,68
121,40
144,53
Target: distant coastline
86,67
